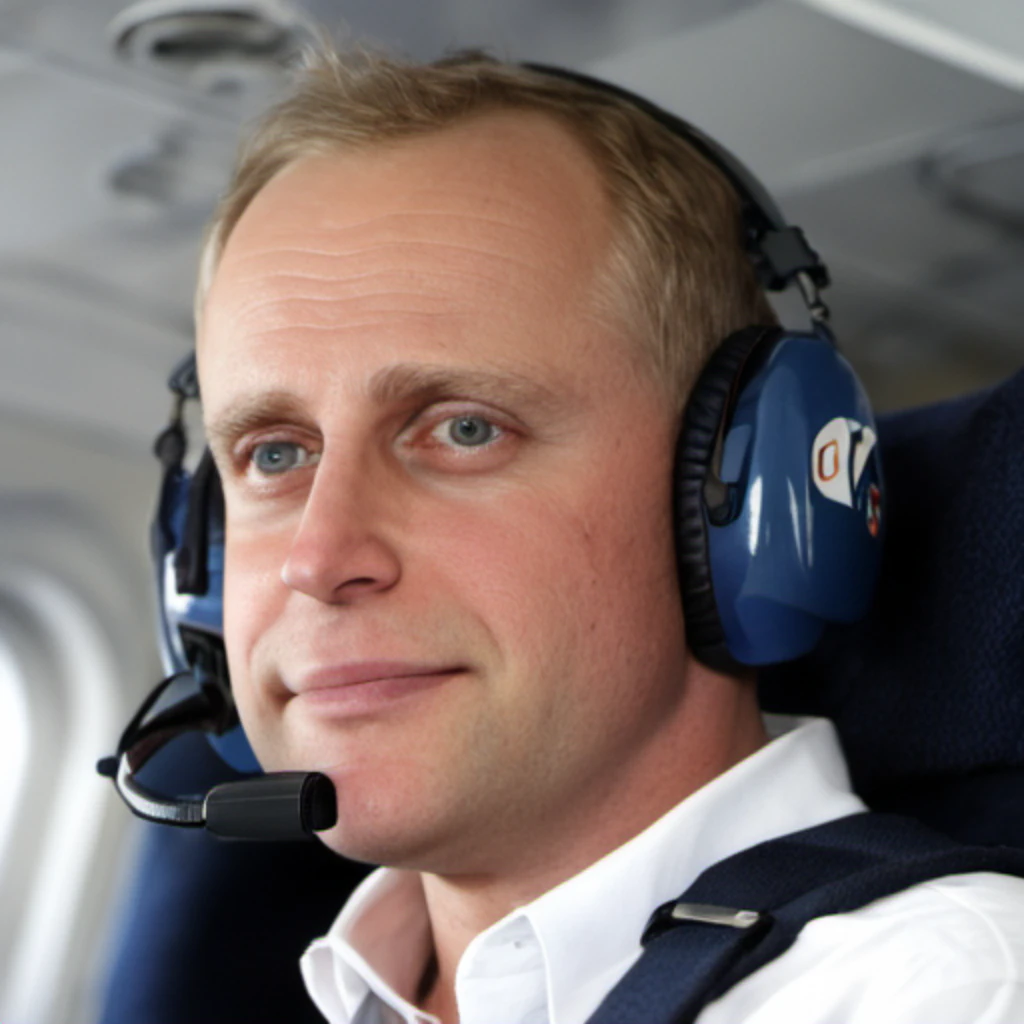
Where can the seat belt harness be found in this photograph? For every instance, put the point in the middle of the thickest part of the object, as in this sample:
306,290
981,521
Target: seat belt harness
746,910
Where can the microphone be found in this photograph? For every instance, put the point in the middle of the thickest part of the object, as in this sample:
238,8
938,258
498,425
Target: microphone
275,806
281,805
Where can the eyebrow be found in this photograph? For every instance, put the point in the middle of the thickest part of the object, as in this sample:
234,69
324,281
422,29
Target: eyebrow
406,381
399,384
252,412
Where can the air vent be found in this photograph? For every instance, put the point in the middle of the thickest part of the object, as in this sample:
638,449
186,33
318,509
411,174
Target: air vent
184,36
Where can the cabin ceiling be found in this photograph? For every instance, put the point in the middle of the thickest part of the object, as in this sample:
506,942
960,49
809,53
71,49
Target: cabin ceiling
891,130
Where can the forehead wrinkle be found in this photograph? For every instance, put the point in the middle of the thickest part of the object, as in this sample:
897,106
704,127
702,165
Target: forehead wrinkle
337,330
256,310
425,284
356,249
329,238
402,246
341,313
368,322
430,291
477,265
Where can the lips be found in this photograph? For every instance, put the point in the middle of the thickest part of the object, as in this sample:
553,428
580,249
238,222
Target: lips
366,687
363,672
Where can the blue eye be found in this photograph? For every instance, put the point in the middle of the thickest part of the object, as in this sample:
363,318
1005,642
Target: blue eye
471,431
274,457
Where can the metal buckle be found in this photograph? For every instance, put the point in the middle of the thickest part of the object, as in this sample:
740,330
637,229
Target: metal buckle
675,913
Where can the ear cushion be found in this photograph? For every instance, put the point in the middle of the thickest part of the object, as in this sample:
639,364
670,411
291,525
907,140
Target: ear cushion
205,516
713,398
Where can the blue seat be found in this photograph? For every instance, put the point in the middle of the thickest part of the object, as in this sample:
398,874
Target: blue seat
928,691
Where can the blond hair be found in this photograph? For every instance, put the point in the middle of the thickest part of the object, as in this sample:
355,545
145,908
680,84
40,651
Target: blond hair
677,273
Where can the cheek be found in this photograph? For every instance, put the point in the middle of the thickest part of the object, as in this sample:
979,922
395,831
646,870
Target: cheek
243,602
628,594
253,597
571,573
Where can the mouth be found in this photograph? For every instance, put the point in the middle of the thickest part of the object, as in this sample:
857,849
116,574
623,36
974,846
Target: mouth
360,688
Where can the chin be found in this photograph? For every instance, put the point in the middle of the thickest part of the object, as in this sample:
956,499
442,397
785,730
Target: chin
338,841
401,830
375,843
374,829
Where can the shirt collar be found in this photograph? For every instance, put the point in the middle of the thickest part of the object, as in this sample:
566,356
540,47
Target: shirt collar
588,928
379,944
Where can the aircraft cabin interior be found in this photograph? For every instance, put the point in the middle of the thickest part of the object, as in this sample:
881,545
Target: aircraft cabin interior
891,131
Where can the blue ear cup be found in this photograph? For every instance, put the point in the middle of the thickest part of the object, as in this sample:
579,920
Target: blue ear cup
778,498
187,542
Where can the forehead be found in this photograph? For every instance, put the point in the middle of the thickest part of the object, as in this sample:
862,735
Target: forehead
487,235
510,181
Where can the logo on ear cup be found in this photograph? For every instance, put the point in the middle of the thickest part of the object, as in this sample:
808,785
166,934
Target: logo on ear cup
839,457
874,512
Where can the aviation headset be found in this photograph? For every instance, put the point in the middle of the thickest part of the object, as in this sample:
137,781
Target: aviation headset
778,515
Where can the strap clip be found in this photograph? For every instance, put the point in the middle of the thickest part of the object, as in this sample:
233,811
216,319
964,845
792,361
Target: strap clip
675,913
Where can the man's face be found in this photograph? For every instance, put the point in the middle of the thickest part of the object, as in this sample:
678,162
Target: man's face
450,574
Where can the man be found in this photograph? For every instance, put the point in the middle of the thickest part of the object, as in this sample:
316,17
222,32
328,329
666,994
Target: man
448,319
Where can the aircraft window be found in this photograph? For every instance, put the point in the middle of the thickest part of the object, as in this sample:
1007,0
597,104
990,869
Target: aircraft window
15,738
65,672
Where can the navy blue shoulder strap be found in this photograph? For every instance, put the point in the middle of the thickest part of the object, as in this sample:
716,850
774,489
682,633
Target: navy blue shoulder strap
700,945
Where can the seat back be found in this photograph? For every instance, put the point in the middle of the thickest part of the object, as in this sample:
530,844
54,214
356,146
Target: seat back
927,692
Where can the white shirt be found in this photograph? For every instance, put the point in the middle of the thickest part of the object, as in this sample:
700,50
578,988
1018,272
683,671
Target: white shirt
950,951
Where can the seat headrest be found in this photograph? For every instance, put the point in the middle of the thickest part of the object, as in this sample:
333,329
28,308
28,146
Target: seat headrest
931,684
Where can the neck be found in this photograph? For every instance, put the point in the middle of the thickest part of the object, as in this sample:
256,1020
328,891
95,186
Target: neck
460,907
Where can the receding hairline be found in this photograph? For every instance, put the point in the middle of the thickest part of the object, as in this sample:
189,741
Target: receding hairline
495,109
468,125
575,167
677,275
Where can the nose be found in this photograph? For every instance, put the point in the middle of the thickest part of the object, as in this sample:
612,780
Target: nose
339,553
